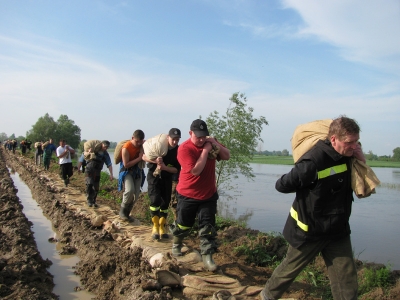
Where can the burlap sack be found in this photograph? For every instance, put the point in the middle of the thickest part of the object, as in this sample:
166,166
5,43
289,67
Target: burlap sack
95,145
305,136
156,146
118,151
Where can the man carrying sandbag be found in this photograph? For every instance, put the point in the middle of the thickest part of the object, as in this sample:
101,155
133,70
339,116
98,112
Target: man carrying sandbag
197,191
130,174
96,155
159,184
318,221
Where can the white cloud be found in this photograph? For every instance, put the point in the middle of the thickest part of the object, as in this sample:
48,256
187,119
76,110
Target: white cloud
364,31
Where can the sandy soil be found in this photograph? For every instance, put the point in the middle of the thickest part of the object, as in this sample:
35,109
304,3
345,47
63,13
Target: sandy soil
114,264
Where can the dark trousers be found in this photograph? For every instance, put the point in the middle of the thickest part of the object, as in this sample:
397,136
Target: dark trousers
338,257
159,191
92,178
66,171
205,210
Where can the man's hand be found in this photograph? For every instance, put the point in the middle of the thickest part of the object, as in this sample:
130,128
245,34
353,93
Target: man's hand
358,153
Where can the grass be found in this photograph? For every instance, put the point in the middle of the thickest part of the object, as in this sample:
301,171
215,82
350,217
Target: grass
375,278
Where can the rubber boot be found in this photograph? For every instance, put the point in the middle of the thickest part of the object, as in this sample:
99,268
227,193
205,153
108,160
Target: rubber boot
128,210
155,234
208,262
177,246
163,234
122,213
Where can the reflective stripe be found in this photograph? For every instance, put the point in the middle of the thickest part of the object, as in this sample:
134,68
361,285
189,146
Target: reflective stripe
332,171
164,210
295,216
152,208
183,227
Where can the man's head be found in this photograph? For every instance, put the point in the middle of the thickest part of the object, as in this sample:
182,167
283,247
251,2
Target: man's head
344,134
137,138
62,142
174,135
104,145
198,132
51,141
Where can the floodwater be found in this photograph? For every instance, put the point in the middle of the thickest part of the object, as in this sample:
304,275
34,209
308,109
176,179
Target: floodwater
374,221
62,268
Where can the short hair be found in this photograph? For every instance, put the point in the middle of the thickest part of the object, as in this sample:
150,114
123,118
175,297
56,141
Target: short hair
343,126
62,140
138,134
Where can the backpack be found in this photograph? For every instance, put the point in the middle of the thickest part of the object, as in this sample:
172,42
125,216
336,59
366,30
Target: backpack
118,151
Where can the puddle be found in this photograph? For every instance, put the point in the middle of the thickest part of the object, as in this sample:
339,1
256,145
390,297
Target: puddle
62,268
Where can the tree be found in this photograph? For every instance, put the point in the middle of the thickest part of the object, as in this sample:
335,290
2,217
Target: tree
396,154
66,129
240,132
285,152
44,129
3,136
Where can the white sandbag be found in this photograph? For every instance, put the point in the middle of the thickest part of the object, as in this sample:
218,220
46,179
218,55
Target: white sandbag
156,146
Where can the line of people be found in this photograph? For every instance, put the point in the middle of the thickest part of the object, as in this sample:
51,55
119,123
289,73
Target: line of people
318,221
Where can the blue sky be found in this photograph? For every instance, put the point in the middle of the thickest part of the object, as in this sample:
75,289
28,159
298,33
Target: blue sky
117,66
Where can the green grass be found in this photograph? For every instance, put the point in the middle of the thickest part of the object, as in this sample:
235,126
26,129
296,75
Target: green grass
375,278
272,160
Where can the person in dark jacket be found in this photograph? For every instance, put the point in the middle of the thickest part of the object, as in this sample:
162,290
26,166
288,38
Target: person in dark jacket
95,162
318,221
160,186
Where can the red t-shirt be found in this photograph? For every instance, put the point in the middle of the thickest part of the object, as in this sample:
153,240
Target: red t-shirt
197,187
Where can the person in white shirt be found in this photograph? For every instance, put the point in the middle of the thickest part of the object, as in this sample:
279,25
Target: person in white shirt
64,152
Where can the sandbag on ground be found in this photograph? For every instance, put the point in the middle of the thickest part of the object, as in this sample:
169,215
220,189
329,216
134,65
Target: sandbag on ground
210,284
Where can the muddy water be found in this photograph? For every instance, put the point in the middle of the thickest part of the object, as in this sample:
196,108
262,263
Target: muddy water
62,268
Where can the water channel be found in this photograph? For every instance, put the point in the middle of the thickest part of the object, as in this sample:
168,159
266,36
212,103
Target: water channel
62,268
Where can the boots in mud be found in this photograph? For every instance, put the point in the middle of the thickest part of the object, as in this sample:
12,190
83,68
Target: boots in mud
208,262
178,234
124,213
155,235
163,233
177,246
208,246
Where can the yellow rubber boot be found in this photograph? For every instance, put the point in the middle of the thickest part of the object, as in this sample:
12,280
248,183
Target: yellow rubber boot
156,227
163,233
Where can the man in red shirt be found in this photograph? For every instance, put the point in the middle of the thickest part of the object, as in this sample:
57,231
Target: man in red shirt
197,191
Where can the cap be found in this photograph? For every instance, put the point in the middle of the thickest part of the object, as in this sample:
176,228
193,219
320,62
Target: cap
106,143
174,133
199,128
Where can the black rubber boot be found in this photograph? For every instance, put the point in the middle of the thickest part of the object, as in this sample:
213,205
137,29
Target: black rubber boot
208,262
177,246
122,213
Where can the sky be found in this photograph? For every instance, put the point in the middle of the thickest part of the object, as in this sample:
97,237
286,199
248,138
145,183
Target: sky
116,66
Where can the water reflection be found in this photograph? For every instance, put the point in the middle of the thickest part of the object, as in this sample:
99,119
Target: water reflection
62,268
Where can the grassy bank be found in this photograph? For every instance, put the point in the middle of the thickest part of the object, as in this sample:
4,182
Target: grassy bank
288,160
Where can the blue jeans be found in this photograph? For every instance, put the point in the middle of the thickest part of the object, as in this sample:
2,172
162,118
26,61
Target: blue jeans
338,257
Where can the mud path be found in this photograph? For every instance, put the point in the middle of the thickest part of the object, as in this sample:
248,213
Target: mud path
118,260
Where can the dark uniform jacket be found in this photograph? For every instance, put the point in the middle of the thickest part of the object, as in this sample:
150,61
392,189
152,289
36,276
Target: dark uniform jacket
321,210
